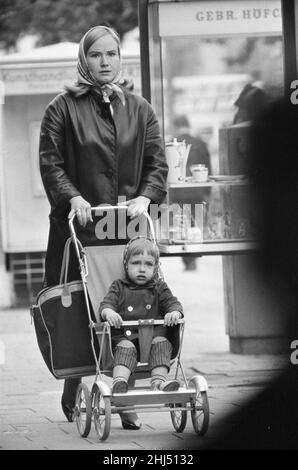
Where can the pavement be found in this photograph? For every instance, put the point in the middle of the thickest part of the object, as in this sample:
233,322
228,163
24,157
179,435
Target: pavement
30,413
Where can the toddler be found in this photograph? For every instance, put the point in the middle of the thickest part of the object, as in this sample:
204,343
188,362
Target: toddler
141,295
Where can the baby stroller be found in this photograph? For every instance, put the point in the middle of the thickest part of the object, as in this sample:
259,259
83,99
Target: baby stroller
99,266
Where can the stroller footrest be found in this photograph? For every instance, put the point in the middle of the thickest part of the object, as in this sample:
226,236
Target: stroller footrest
144,397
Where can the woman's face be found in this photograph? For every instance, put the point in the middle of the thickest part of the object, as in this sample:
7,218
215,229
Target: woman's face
103,59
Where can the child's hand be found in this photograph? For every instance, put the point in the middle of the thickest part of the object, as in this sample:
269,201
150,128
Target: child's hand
171,318
113,318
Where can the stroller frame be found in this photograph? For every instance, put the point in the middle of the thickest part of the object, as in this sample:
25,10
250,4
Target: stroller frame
101,403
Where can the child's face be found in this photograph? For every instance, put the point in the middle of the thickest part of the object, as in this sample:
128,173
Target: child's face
140,268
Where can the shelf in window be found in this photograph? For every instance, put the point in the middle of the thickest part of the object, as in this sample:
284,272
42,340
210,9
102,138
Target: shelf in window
209,183
208,248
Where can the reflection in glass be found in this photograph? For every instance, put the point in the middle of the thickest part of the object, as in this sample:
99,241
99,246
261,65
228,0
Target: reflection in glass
203,77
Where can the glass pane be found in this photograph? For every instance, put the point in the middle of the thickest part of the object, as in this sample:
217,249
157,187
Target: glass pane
214,212
213,87
203,78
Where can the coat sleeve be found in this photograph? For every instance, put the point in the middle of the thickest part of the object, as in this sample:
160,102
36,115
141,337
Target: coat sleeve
56,182
111,299
167,301
155,169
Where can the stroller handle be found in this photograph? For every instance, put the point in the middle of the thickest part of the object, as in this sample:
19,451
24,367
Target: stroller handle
109,207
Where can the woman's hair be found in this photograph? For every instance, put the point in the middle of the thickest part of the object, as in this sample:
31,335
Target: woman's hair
139,246
96,33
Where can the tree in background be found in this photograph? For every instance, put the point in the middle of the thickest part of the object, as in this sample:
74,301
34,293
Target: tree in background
55,21
15,20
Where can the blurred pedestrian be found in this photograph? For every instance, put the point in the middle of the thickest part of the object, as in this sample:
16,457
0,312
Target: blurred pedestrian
199,153
250,103
269,421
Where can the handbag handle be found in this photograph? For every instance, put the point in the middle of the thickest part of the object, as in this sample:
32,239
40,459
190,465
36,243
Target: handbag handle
65,260
66,298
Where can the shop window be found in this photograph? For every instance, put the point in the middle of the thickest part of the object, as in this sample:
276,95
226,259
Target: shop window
214,65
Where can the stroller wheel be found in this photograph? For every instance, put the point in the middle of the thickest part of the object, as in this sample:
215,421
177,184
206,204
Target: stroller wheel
179,418
200,413
83,410
101,414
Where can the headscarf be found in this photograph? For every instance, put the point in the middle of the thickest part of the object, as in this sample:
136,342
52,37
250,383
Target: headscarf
85,80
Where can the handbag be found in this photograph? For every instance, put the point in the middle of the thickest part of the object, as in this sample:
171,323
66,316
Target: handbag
61,322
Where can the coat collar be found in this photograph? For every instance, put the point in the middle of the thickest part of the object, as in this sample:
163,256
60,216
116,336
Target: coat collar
149,285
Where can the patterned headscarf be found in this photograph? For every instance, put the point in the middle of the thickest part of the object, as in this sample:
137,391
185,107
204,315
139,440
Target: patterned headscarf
85,79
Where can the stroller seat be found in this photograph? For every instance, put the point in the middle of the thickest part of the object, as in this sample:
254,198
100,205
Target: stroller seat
104,266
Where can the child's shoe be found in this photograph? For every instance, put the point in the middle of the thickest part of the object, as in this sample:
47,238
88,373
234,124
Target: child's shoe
120,386
169,386
155,385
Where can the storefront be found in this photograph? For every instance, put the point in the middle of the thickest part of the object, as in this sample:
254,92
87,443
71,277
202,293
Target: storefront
198,58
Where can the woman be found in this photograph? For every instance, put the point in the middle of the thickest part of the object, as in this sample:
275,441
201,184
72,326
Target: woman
98,143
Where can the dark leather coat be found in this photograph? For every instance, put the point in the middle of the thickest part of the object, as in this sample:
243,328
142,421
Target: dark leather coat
86,151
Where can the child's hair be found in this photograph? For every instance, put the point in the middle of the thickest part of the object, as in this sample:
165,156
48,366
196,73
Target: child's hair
139,246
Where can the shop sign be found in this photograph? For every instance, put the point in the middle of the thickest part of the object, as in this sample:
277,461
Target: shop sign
217,18
30,80
23,81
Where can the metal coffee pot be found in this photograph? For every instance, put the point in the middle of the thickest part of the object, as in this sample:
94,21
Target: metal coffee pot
177,155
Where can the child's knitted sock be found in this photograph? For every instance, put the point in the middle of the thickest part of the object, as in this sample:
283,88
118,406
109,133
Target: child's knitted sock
120,379
158,376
